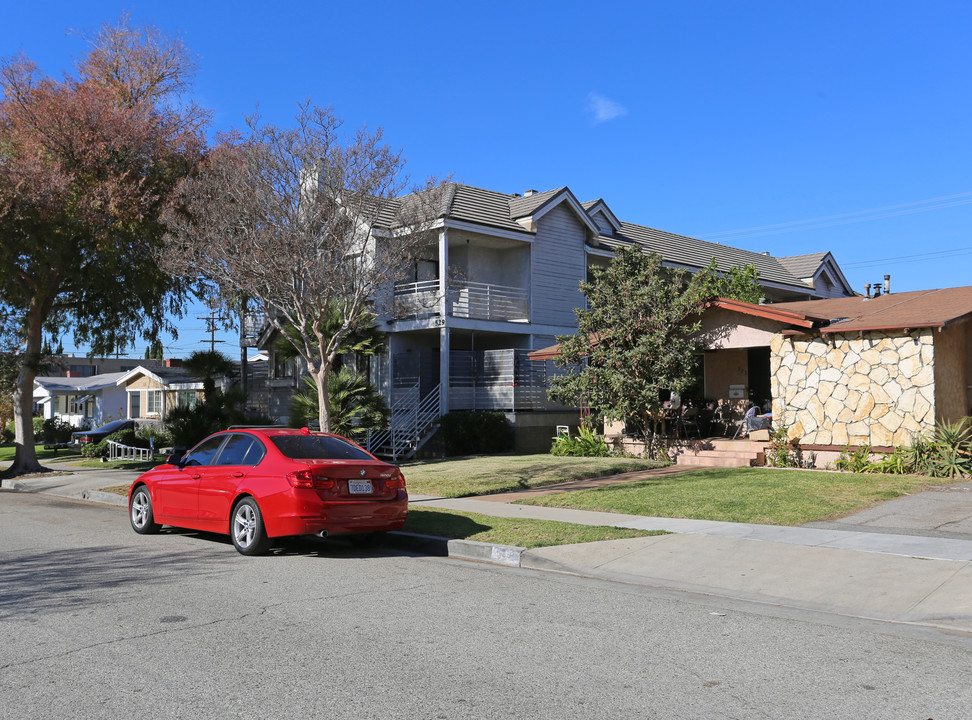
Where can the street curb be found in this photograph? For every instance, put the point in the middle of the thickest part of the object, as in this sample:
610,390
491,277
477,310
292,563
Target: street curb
507,555
106,498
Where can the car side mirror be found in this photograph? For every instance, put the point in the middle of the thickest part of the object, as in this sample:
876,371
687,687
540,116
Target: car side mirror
174,459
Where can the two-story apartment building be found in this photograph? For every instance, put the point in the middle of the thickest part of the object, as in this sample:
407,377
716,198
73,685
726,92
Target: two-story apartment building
503,280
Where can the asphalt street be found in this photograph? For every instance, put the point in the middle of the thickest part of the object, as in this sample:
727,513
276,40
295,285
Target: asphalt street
97,621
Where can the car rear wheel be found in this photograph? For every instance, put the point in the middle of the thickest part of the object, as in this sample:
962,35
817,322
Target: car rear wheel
247,529
140,512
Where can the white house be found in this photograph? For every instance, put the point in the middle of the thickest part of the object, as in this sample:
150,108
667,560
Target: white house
84,402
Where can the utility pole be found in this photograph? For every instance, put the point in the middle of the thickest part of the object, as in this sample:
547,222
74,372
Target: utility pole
211,321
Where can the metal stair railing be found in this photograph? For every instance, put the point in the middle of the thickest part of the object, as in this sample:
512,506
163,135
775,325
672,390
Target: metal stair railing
413,418
117,451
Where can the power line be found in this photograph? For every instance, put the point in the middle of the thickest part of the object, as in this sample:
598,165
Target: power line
927,256
844,218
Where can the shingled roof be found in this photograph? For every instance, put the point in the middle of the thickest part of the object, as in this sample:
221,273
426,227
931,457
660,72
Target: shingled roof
466,203
895,311
803,266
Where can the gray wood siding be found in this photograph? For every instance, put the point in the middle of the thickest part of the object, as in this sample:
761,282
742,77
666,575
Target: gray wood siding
603,223
559,265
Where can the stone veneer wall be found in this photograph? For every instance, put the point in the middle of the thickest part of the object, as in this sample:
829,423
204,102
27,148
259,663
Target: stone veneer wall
878,389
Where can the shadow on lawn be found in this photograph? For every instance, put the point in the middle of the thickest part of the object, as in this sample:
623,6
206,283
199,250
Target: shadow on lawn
443,524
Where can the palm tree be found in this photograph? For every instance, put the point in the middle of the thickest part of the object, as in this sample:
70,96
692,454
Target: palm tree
208,364
356,406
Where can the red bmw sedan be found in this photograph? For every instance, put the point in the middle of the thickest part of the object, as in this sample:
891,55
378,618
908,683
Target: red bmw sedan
259,484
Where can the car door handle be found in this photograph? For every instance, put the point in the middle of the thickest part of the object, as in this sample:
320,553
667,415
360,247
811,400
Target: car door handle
196,476
237,474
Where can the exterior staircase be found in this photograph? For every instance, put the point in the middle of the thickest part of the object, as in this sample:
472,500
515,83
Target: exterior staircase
413,422
722,452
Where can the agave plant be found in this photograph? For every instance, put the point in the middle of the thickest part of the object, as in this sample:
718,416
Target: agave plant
951,449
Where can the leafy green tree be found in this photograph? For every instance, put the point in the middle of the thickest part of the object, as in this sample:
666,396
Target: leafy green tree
155,350
739,282
638,335
86,165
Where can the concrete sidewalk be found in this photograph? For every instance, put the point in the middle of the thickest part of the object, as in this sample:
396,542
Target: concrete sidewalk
903,578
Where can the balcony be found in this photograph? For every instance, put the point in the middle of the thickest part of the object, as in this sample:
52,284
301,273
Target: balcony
481,301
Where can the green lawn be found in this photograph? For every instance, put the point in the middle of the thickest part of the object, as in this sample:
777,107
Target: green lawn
511,531
751,495
482,475
7,454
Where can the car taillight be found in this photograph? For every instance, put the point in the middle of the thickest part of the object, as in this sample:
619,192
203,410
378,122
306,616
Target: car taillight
307,479
395,481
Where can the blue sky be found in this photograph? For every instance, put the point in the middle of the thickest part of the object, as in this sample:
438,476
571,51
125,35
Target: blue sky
780,127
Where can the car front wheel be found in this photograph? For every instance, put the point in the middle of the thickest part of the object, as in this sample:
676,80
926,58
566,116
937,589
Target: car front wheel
247,529
140,512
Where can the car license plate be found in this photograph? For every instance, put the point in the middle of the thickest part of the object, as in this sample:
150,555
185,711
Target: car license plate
359,487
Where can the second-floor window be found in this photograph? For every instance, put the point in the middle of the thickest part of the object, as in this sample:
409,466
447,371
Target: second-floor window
283,367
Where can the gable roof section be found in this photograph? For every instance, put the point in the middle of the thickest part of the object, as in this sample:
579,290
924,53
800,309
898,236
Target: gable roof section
593,207
896,311
803,266
533,207
161,375
78,384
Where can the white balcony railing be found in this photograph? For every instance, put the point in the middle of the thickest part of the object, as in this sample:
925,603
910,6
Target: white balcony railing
483,301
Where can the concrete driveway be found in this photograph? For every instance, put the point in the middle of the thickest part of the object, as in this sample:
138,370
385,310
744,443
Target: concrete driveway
944,511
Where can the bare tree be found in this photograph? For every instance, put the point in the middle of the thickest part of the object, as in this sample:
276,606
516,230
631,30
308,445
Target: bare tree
307,223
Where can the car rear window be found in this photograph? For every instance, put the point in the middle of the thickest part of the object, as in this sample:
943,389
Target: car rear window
318,447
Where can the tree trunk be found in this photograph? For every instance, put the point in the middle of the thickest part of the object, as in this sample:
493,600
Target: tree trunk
25,457
323,398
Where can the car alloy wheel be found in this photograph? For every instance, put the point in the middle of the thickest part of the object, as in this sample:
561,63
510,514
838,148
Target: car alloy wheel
247,530
140,512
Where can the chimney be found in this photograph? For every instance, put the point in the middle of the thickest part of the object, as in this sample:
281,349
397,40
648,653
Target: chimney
173,362
867,291
528,193
877,289
71,373
887,284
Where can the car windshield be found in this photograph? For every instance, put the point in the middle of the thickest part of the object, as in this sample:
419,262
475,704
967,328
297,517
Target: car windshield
318,447
112,426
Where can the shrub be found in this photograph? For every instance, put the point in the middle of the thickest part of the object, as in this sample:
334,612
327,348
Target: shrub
781,454
8,433
854,461
56,431
476,433
587,444
158,436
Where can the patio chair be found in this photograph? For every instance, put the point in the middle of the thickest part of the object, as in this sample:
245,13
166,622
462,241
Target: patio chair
688,421
748,421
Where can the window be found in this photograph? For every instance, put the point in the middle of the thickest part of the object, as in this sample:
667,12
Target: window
153,402
318,447
241,450
282,367
205,451
136,402
83,370
186,398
